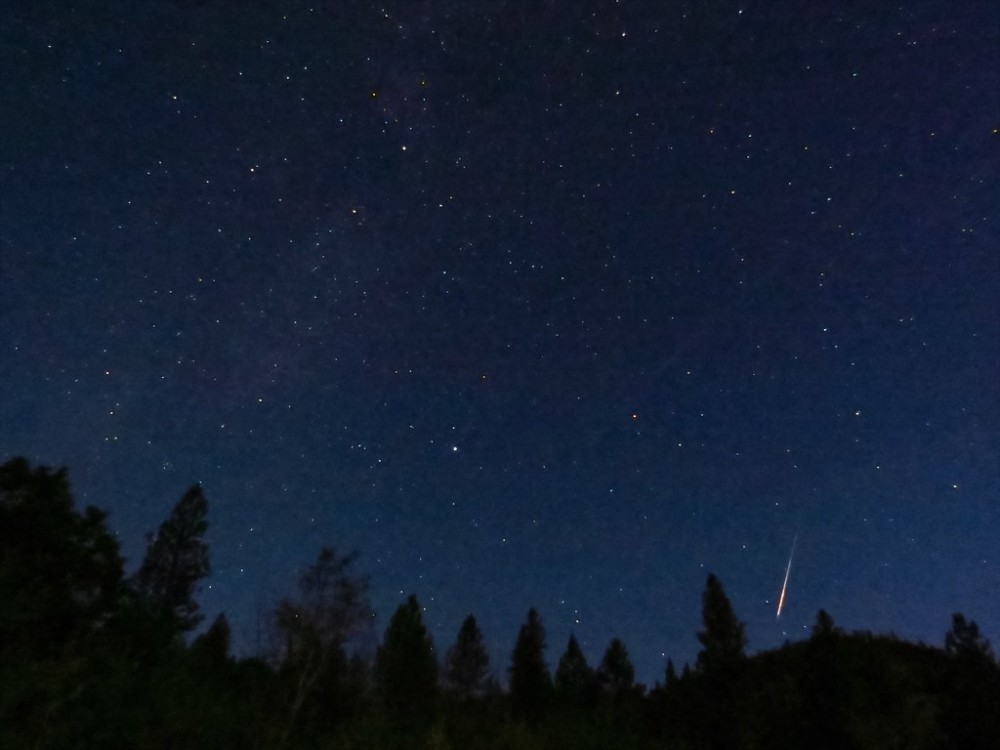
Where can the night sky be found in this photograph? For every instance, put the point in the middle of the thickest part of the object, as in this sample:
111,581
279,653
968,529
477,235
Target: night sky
562,305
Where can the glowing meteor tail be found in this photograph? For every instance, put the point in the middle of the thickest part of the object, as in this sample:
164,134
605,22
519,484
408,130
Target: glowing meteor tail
784,585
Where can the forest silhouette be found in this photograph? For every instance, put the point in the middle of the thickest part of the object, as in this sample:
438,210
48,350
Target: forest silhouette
91,657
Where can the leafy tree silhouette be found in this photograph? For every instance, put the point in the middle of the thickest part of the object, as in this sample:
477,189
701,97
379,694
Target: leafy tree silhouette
60,570
176,559
467,666
530,682
332,608
971,716
61,582
964,640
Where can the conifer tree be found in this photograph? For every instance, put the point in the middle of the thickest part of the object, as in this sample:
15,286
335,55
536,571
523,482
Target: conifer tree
723,641
176,559
467,666
213,645
616,673
406,670
670,676
575,681
530,681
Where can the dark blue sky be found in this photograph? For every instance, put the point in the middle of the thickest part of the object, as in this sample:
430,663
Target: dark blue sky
544,304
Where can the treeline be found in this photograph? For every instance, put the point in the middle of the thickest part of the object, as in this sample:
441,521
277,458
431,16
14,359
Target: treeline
92,658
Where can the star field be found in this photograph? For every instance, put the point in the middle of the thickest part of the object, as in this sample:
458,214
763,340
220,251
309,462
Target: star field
551,306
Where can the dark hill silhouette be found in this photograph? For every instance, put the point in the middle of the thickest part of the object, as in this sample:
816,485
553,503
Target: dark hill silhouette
838,691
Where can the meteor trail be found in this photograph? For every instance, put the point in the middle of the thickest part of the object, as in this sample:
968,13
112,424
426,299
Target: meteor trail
784,585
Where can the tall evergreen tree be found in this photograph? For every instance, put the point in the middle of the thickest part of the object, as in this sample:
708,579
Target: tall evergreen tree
970,715
723,641
670,676
530,682
575,681
176,559
616,673
406,670
467,666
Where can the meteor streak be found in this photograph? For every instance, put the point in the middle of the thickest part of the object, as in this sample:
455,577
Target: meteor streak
784,585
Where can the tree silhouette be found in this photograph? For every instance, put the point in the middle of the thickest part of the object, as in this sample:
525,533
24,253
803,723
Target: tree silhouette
60,570
213,645
467,666
406,671
61,582
722,639
670,674
78,669
965,641
332,608
971,717
824,627
575,681
616,673
176,559
530,682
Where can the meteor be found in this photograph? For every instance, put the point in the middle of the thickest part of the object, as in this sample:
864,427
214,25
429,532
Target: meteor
784,585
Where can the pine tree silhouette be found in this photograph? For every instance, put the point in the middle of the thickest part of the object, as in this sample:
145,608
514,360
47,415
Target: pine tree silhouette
722,640
406,670
530,682
616,673
467,667
176,559
575,681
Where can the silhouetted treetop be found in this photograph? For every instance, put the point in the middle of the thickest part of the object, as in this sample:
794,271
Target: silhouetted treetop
530,681
406,670
616,673
60,570
670,674
824,626
964,639
332,607
574,680
176,559
214,644
467,666
723,641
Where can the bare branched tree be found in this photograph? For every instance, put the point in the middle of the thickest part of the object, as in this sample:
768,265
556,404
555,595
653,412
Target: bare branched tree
332,609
